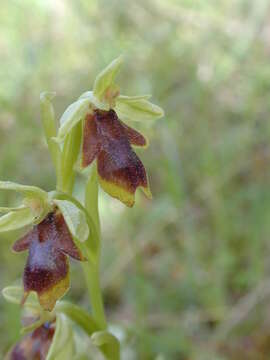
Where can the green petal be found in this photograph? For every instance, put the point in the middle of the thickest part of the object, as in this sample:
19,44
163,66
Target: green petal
107,343
137,109
74,218
105,79
16,219
73,114
63,346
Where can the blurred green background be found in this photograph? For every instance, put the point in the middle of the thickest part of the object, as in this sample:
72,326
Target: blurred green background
185,276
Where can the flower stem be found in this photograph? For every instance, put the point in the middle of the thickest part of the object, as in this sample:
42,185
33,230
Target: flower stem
91,270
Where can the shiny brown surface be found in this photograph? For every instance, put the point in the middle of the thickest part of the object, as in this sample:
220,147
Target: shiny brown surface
108,139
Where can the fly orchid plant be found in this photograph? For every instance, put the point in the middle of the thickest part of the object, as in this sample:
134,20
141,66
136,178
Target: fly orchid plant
56,225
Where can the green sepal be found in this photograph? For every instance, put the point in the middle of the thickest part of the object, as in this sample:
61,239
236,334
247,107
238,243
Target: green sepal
5,210
63,345
26,190
107,343
75,219
15,294
105,78
126,98
137,108
17,219
35,199
72,115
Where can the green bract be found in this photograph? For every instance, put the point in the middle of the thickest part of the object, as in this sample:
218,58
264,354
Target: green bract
107,343
75,219
106,78
63,346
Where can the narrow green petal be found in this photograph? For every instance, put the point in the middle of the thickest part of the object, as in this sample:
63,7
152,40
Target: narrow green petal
105,79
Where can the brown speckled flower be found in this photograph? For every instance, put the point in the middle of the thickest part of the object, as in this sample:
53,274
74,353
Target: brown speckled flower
109,140
47,268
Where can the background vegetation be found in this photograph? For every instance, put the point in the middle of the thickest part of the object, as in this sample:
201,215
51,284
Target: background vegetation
185,276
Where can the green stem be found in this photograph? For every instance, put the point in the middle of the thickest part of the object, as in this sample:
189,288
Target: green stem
91,273
65,183
91,269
